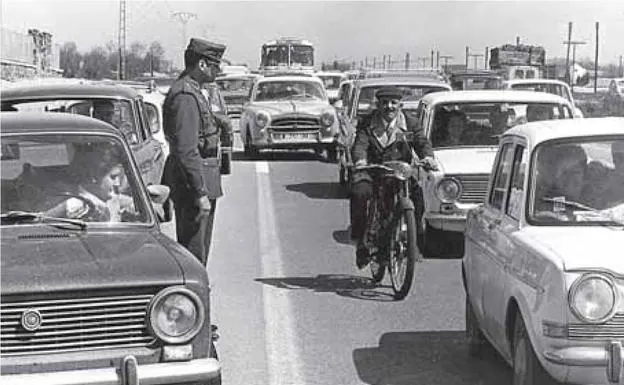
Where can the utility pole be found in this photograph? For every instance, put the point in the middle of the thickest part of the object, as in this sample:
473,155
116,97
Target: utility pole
407,60
438,59
183,18
485,61
467,55
596,60
573,44
121,68
432,52
475,56
567,69
621,72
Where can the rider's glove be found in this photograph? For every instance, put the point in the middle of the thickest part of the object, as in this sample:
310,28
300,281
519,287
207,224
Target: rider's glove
430,163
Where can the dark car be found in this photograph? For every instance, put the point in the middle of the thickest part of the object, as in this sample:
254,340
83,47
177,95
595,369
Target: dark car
92,292
121,106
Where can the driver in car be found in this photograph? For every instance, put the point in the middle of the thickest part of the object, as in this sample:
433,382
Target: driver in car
382,136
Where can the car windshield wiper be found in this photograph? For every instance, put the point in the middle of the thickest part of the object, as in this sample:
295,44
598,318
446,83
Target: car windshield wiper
13,217
577,205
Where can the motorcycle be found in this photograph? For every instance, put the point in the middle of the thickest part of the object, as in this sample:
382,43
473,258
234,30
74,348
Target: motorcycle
390,235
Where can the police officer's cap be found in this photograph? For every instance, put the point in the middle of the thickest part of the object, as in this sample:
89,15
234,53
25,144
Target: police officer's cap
389,93
212,52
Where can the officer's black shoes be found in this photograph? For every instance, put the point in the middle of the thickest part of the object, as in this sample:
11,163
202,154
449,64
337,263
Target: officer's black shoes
362,255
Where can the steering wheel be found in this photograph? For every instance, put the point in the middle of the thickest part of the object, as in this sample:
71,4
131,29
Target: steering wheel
92,210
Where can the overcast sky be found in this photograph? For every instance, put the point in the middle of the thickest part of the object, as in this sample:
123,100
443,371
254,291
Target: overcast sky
340,30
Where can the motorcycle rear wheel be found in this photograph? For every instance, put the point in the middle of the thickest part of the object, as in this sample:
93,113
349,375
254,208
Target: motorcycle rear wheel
402,253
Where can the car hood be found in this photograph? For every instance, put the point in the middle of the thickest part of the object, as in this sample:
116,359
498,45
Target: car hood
466,160
293,106
580,247
56,261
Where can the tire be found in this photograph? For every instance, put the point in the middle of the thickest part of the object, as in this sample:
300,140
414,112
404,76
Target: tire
403,253
527,370
474,336
250,150
226,163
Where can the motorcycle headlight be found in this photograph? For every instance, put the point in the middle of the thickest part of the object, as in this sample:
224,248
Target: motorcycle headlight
593,298
327,119
262,119
176,315
448,190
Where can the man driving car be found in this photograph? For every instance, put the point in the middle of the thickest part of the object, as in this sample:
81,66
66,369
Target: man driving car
382,136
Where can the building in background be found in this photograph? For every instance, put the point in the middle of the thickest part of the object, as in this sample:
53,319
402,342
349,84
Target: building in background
28,55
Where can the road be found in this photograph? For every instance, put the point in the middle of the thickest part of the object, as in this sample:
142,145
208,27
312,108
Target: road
292,307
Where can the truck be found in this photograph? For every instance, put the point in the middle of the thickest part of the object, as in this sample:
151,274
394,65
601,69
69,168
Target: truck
519,61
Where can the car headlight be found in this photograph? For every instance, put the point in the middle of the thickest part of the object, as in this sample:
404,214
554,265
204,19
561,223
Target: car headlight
593,298
448,190
176,315
262,119
327,119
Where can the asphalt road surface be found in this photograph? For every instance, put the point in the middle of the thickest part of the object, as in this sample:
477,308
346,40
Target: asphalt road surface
292,307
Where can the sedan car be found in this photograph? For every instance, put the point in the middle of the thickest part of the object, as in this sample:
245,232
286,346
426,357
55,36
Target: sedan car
552,86
235,90
288,112
92,291
542,267
120,106
331,81
464,127
475,80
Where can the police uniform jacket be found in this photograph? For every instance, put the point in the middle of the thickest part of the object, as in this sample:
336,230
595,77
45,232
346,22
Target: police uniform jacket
193,136
368,145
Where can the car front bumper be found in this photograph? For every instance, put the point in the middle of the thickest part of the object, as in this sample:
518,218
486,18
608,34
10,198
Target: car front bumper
590,364
447,222
130,373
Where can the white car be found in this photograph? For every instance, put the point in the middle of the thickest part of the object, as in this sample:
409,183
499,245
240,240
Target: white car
464,127
556,87
331,81
543,268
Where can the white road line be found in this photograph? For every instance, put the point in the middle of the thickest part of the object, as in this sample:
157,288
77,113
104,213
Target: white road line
283,355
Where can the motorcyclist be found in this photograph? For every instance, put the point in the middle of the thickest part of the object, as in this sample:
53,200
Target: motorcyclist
382,136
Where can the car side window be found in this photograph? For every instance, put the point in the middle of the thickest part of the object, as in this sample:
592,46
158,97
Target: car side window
516,190
141,123
501,176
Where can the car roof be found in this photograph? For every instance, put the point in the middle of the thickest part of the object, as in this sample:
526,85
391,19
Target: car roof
424,81
78,91
473,72
23,122
538,132
503,96
236,76
330,73
535,81
289,78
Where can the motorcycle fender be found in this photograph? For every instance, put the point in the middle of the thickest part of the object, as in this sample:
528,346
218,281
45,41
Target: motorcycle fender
407,204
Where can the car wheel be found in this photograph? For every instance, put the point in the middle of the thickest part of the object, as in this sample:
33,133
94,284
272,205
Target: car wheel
474,335
527,370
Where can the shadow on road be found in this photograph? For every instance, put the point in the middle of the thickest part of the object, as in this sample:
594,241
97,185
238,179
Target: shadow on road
428,358
319,190
355,287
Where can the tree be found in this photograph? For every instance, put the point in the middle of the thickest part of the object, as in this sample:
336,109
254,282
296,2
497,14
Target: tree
70,60
95,64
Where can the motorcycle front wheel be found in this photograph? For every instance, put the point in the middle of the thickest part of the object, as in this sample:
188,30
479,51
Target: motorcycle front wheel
402,253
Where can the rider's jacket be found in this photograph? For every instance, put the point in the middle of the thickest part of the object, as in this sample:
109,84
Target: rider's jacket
193,135
376,145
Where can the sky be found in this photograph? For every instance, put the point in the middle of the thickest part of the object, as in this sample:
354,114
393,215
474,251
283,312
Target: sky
340,30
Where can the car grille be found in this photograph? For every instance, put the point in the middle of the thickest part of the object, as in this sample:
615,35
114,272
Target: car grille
474,187
295,124
76,324
612,329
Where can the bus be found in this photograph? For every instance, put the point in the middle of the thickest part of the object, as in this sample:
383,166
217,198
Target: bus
287,54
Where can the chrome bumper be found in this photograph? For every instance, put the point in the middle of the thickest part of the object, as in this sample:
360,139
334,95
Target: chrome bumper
606,362
130,374
447,222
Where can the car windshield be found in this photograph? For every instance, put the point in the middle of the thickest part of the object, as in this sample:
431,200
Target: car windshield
482,123
578,182
117,112
82,177
236,84
331,82
411,92
289,90
551,88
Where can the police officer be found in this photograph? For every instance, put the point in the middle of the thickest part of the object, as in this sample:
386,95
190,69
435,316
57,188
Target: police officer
192,167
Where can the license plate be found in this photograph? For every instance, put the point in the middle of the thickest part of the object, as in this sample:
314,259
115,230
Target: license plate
294,136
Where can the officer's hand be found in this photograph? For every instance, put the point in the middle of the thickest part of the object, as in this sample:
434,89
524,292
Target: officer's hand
429,163
204,207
